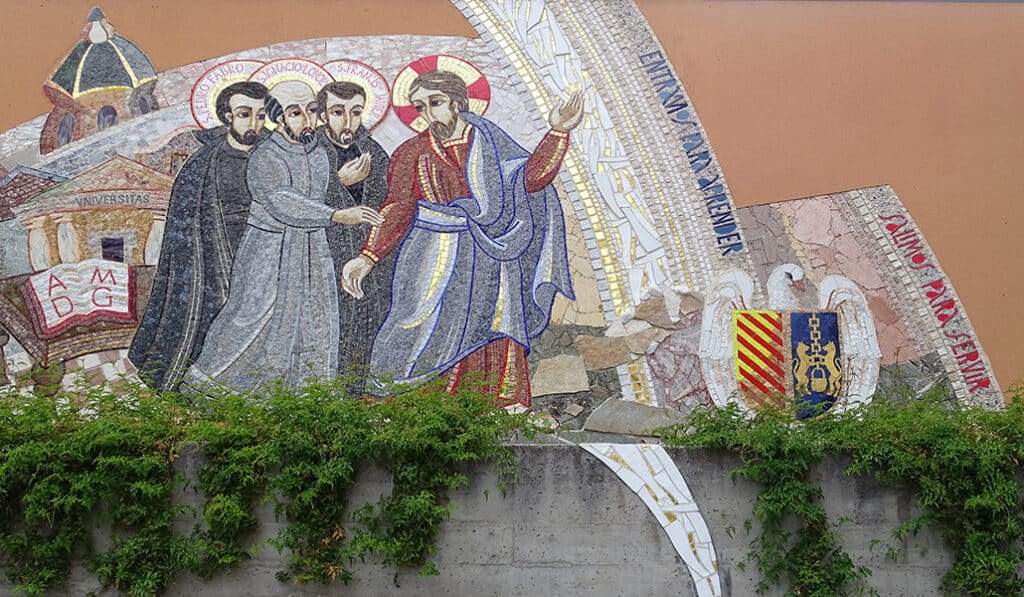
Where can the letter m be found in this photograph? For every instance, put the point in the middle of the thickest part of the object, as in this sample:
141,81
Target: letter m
99,277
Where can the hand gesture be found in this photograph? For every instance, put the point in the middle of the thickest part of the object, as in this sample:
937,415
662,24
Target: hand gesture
355,171
567,114
359,214
353,274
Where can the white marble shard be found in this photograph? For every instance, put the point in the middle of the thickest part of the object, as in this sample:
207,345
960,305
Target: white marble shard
650,473
635,239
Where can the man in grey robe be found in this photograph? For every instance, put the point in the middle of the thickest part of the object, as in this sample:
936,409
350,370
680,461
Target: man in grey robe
280,322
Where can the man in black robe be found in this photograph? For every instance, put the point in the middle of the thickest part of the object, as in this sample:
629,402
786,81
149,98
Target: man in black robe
362,171
206,216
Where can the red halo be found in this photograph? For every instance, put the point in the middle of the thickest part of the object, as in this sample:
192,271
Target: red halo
477,87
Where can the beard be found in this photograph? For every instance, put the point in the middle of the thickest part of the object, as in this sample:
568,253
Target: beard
305,136
344,137
246,138
443,131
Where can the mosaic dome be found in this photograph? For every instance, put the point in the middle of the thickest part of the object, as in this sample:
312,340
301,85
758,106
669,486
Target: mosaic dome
102,60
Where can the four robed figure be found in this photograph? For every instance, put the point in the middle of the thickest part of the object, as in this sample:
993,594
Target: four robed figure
482,247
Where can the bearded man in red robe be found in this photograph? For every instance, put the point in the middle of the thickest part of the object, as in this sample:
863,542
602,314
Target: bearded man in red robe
481,247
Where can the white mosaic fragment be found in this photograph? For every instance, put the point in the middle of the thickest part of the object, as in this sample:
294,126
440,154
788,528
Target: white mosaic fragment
540,37
108,370
90,360
650,473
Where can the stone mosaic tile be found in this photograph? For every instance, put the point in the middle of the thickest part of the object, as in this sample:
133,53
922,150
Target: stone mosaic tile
562,374
20,139
648,213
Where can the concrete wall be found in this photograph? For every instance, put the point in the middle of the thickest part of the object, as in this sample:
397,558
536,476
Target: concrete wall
570,527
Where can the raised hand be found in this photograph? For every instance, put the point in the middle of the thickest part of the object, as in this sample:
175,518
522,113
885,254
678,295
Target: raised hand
353,274
567,115
359,214
355,171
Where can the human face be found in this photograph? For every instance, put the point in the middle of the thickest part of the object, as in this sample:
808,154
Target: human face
438,110
300,120
343,117
246,118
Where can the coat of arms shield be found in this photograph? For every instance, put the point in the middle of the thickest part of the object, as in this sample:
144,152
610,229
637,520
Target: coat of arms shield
779,354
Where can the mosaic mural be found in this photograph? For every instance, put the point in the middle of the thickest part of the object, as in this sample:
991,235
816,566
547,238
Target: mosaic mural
538,205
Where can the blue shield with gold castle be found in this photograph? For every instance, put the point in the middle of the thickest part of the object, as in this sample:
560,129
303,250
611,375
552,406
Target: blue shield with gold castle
815,361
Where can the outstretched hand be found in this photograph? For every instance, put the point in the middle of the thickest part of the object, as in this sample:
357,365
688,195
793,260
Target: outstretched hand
567,115
353,274
359,214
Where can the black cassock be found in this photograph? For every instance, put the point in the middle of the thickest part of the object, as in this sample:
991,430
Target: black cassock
206,217
360,318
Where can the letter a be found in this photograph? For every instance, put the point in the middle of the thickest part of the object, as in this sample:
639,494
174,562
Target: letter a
55,282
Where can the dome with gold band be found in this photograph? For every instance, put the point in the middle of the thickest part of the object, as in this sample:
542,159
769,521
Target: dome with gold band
477,87
101,60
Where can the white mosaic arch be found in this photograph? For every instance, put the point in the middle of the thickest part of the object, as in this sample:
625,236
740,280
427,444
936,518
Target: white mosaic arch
650,473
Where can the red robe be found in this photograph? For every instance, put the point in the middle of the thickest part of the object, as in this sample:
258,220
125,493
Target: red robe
423,169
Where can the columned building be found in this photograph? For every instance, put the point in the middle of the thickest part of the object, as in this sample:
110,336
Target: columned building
114,211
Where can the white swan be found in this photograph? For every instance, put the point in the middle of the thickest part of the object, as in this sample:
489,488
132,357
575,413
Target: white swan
860,355
780,287
733,290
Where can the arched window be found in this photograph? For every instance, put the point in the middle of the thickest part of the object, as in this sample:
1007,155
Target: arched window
106,118
65,130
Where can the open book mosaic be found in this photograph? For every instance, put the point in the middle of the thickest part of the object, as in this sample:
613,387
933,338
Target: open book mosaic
539,205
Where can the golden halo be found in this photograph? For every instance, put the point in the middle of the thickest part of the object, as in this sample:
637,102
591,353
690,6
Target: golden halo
479,90
209,85
291,69
378,97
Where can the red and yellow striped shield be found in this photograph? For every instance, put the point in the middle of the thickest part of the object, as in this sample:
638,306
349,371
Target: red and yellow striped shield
760,357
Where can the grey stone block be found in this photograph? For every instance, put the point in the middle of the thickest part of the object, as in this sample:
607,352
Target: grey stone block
632,418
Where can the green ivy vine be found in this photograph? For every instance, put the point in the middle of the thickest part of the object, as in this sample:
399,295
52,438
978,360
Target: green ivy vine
104,462
62,461
962,464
